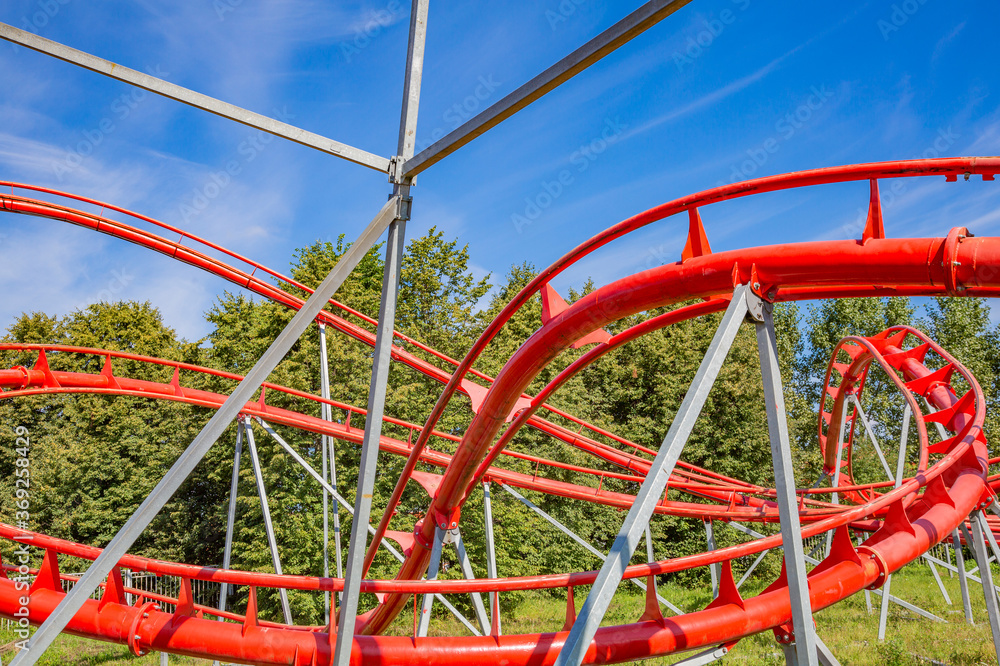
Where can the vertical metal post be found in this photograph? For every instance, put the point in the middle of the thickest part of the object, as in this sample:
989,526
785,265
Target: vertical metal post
383,337
963,582
477,598
266,510
712,568
603,589
164,659
491,557
979,524
432,572
784,482
127,575
883,612
231,519
650,556
329,454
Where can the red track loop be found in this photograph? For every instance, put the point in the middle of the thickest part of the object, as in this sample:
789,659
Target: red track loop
905,521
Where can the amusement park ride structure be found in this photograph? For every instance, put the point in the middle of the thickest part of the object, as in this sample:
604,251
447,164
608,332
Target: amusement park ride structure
897,521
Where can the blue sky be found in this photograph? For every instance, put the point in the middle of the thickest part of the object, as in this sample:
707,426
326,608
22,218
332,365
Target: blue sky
682,108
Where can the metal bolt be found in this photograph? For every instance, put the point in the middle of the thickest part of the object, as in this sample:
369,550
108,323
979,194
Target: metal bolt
145,615
137,637
756,285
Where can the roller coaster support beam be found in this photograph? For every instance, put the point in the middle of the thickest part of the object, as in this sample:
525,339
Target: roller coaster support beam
477,598
383,339
432,573
784,483
979,528
231,519
883,614
329,473
185,464
963,583
712,568
192,98
610,575
272,542
491,558
587,546
826,657
607,42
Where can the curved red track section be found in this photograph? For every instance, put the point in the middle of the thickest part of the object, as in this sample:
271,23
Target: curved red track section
904,522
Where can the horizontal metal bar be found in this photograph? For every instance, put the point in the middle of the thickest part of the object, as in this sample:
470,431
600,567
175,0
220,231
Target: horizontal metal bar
910,607
192,98
620,33
706,657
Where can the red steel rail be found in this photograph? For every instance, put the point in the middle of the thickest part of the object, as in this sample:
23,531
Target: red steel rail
904,522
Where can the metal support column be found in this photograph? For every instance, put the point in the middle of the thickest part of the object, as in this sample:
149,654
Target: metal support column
477,598
329,457
491,558
383,338
979,526
266,510
432,573
712,568
650,556
231,519
784,483
963,583
883,611
603,589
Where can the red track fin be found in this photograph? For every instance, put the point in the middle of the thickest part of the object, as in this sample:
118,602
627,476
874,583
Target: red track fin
405,540
114,591
841,550
185,600
946,417
250,620
923,385
42,364
554,305
570,610
874,227
937,493
728,594
48,574
697,242
652,611
108,371
175,381
917,353
427,480
896,520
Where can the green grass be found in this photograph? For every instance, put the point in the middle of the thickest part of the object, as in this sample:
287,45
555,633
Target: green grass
847,628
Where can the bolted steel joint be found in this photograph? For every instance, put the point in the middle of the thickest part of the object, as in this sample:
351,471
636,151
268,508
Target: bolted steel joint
755,307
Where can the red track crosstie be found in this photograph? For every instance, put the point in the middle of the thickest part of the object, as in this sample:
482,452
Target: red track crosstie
901,523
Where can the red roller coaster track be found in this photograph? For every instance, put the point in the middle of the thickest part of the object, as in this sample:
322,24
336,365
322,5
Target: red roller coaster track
902,522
